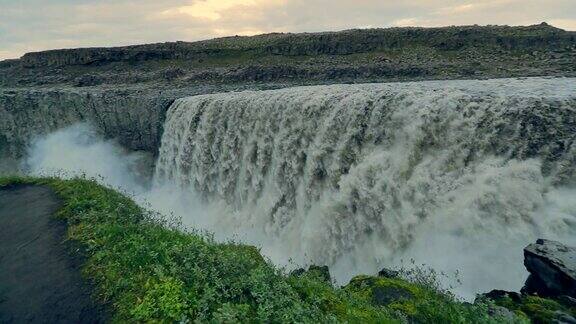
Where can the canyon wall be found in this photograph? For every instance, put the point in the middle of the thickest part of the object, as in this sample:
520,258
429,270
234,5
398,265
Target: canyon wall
134,118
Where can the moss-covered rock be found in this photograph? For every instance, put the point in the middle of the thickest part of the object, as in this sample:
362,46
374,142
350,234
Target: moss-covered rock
394,293
537,309
421,303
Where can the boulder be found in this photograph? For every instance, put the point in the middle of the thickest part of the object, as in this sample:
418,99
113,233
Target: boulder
384,291
387,273
496,295
552,268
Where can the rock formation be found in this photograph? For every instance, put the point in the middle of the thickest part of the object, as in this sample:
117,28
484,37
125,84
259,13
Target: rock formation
347,56
548,295
552,268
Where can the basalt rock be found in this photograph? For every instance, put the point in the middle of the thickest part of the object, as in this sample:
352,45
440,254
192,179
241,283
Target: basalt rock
347,56
388,273
133,118
499,294
552,268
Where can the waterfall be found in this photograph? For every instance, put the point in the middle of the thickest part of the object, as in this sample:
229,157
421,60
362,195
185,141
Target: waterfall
362,176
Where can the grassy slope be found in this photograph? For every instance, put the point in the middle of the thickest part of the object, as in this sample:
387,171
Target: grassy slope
149,271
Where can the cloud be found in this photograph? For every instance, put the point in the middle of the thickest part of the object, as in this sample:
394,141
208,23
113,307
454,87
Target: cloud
568,24
217,9
476,6
32,25
406,22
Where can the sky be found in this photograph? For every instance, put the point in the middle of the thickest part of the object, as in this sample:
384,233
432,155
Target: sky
34,25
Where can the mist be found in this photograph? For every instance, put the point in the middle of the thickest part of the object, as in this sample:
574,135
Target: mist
79,150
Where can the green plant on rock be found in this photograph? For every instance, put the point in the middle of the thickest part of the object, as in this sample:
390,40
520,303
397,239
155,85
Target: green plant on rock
537,309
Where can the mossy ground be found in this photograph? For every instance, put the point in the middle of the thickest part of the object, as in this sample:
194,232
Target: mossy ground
539,310
147,270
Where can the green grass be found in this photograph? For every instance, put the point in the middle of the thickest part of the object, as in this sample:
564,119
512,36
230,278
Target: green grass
148,271
540,310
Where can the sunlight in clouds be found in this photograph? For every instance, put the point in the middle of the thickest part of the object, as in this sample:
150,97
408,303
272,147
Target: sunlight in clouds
229,32
406,22
472,6
212,9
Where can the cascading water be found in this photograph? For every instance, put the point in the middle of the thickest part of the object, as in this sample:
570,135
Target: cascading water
457,174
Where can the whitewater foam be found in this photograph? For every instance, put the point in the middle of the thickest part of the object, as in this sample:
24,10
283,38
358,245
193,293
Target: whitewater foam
452,173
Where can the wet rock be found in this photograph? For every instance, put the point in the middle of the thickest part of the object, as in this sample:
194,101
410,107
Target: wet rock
387,295
563,318
535,308
568,301
383,291
552,268
502,313
499,294
133,117
387,273
298,272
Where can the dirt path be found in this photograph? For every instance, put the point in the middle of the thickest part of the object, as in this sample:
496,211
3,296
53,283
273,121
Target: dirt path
40,279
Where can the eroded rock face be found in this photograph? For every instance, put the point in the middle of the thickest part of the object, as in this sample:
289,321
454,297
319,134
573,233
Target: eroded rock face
134,118
388,273
131,115
552,268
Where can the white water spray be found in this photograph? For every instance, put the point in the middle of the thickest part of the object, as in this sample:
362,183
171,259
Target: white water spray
455,174
460,175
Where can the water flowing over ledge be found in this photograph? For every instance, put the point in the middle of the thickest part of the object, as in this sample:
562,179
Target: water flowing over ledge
356,176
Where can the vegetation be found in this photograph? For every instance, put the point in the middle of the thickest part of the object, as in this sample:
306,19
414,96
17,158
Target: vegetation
538,309
149,270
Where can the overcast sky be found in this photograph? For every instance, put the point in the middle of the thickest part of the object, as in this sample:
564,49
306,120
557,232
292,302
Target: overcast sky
33,25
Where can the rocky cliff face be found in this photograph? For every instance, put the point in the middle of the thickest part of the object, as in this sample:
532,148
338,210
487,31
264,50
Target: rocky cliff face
543,37
133,117
349,56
